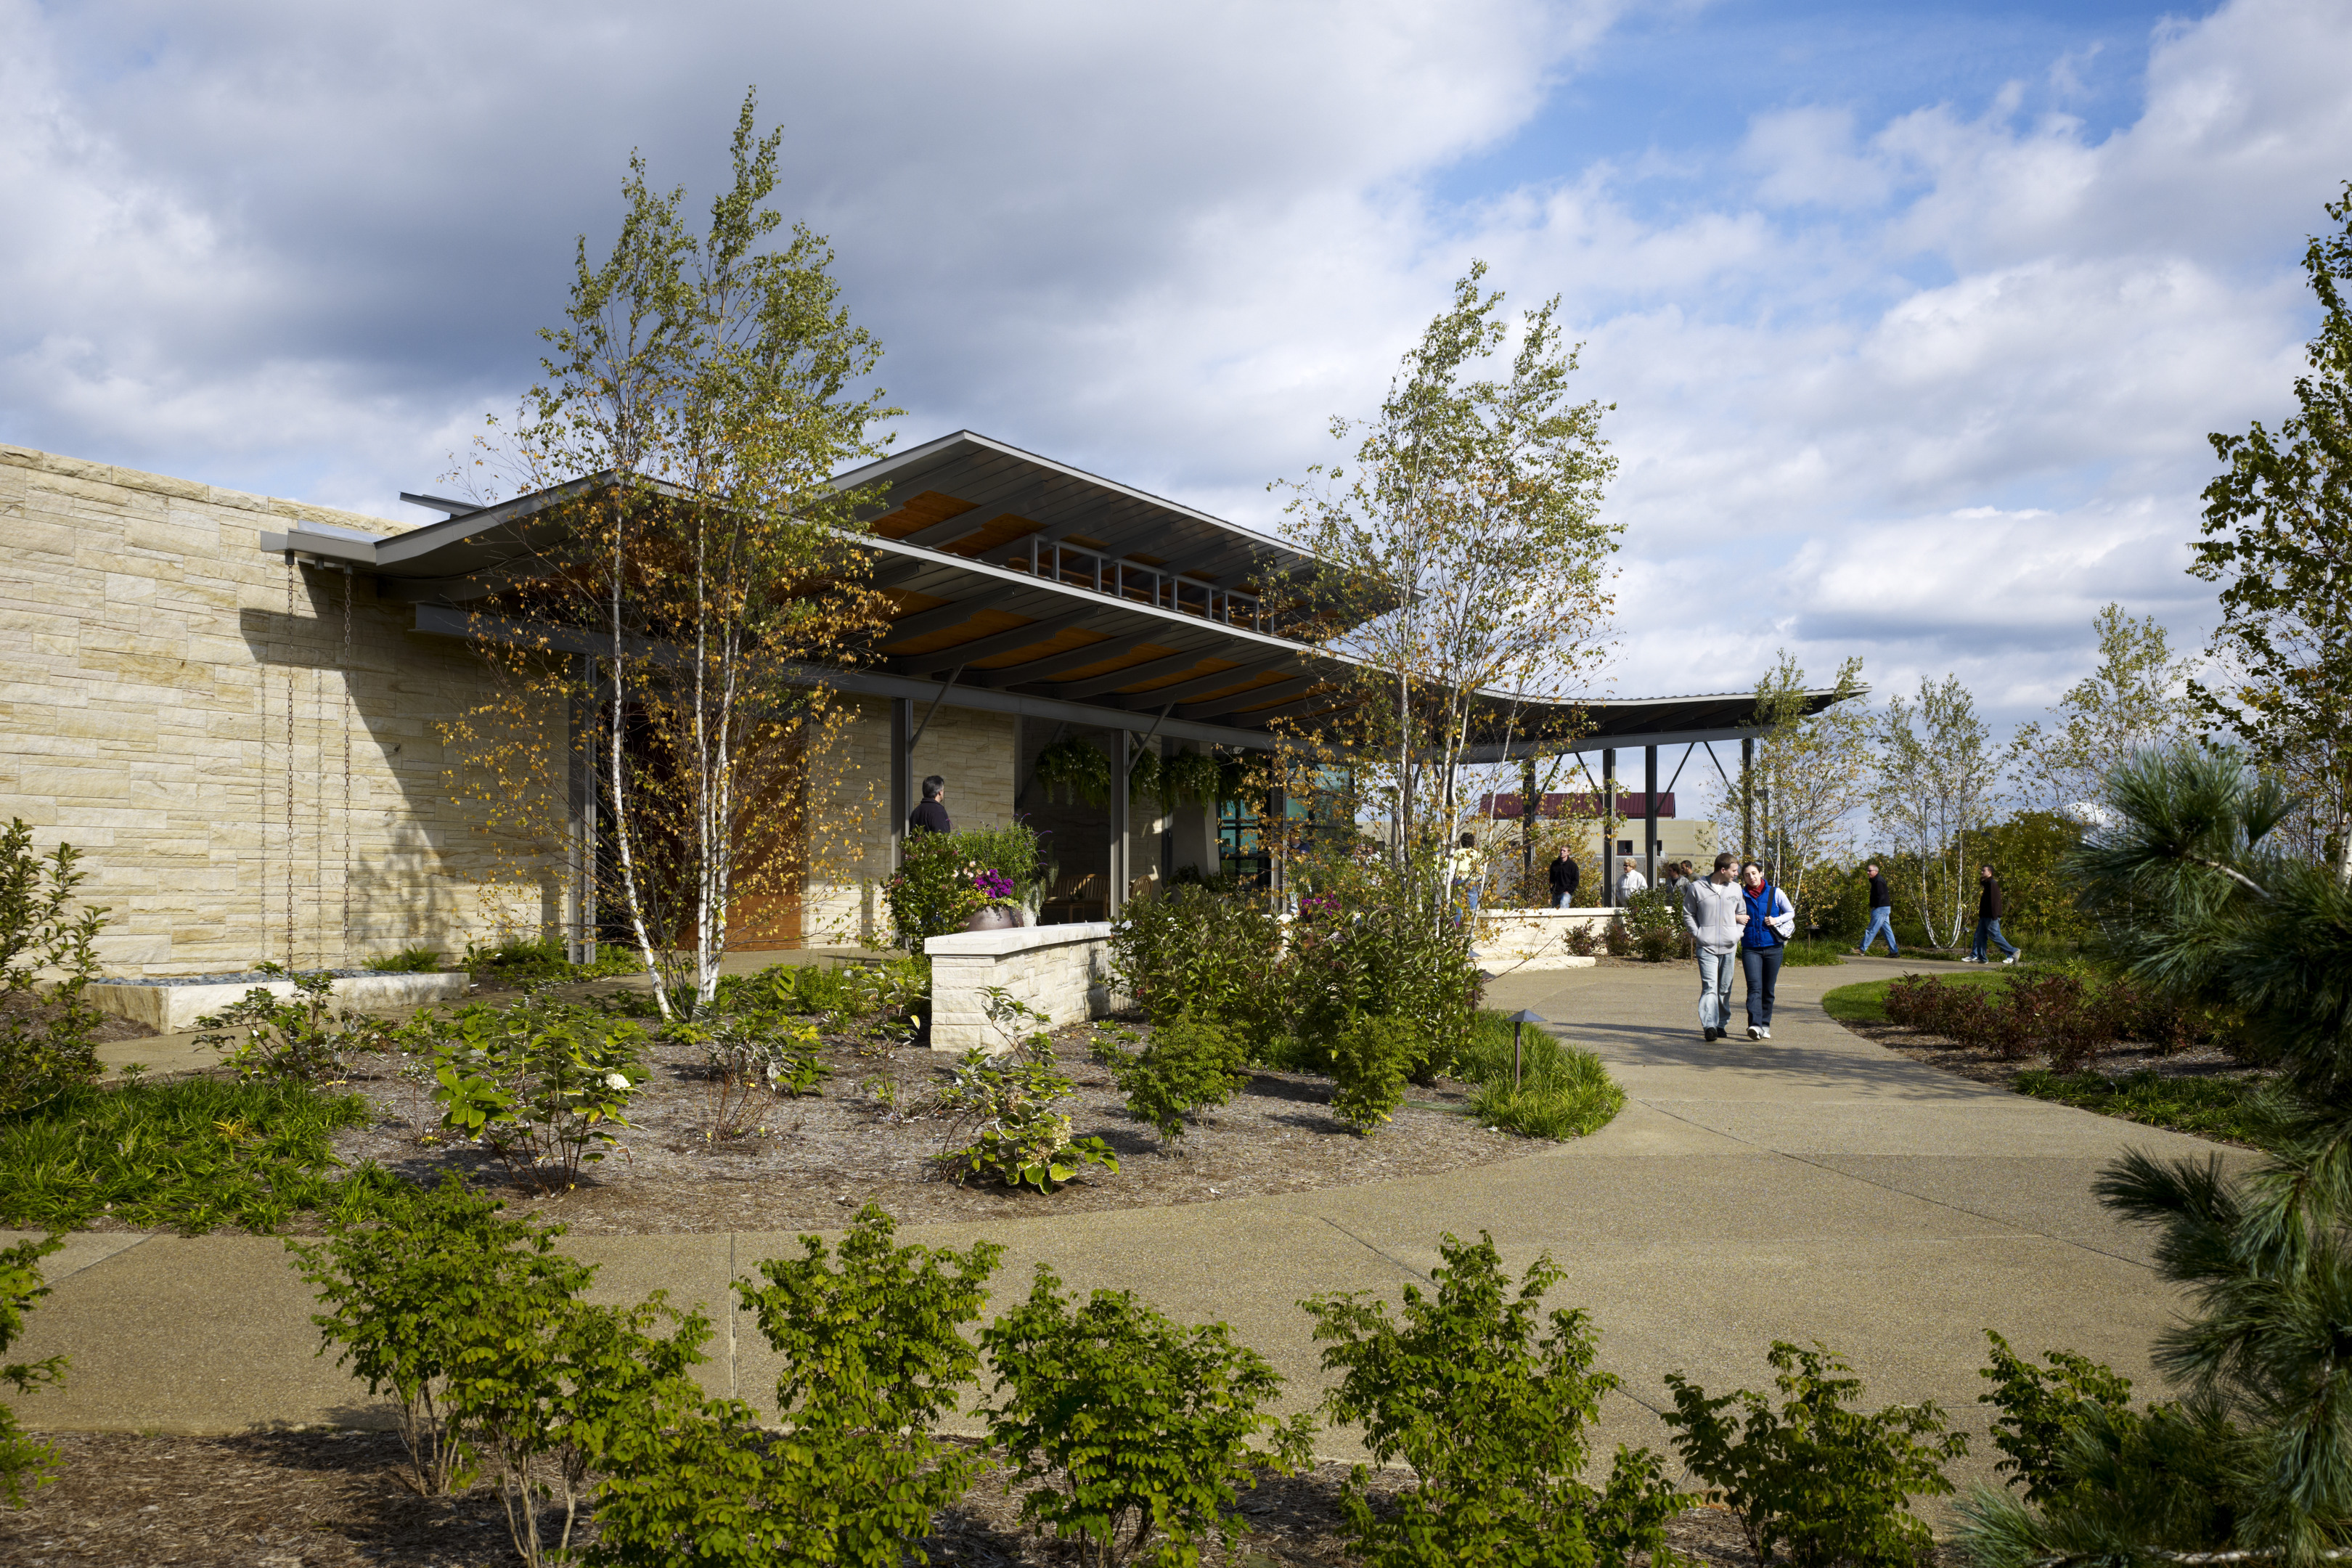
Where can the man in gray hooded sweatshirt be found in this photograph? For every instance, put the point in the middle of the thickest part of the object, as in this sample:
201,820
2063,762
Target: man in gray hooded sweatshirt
1713,912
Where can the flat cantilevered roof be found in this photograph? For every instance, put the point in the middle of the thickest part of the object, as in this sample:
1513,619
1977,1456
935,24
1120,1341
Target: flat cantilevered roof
1023,584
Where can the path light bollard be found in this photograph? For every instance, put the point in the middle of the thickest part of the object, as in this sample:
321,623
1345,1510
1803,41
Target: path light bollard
1519,1021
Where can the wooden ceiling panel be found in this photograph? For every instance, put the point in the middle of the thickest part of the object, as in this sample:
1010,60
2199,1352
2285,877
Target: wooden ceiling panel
1143,655
1003,530
1060,642
919,511
1201,667
983,623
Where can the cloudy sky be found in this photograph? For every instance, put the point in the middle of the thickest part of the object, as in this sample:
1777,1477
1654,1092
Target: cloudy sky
1914,316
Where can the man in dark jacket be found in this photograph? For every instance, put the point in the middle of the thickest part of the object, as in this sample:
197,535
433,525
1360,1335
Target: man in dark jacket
932,816
1989,909
1565,876
1882,916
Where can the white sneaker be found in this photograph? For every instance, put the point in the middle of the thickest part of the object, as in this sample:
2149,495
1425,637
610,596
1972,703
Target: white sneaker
2013,957
1762,1033
1754,1033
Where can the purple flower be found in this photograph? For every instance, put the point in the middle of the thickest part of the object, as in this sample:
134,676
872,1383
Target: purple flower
993,885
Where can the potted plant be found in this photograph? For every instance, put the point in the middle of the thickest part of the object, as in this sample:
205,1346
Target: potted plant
998,907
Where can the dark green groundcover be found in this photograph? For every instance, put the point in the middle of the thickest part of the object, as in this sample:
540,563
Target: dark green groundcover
191,1155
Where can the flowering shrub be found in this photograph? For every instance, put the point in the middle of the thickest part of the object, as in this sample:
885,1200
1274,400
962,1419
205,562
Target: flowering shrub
290,1040
945,878
542,1084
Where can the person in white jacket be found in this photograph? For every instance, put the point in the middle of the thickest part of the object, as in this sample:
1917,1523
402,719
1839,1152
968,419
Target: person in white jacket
1766,922
1712,913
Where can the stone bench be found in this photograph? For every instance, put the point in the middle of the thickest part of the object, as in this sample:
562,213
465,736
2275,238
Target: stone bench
170,1008
1062,971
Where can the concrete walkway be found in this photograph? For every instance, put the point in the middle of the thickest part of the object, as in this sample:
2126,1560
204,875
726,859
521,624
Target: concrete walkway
1813,1187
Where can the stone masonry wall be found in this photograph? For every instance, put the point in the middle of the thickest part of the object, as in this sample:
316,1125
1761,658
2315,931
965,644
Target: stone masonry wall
1058,970
850,806
143,713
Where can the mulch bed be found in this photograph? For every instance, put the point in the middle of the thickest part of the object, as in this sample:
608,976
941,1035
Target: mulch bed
330,1499
1987,1066
867,1136
31,1009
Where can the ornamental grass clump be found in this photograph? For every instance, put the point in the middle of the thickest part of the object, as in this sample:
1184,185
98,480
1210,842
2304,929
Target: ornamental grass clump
1488,1401
1563,1091
1134,1434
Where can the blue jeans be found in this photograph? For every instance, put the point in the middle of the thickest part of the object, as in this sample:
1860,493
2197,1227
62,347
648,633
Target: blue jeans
1882,923
1715,972
1989,931
1560,900
1763,967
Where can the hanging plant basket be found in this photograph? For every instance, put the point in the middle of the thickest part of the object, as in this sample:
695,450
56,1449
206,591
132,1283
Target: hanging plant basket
1193,779
1075,769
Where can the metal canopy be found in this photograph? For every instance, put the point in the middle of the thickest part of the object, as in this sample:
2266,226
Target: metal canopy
954,536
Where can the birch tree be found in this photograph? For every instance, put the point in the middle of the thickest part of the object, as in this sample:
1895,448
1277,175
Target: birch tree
1812,771
700,391
2136,700
1461,551
1936,774
2278,537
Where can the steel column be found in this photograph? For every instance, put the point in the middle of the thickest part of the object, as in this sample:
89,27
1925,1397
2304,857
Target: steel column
1748,798
1609,827
1115,895
1650,814
902,773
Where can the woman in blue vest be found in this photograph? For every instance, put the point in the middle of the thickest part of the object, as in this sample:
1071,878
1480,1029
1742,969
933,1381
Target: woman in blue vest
1765,922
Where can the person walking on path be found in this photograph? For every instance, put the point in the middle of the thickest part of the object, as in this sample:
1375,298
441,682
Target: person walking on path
1712,911
1882,916
1565,875
1467,870
1990,907
1766,923
932,816
1630,881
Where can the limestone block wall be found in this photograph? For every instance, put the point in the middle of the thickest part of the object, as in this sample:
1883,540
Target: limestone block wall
1536,939
156,660
1058,970
849,796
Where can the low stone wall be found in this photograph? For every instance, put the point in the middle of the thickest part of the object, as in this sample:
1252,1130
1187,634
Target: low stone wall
172,1009
1058,970
1536,939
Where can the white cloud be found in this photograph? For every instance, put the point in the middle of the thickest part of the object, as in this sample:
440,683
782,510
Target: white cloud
1931,387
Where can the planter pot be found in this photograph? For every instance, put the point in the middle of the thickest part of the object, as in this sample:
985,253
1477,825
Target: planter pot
993,920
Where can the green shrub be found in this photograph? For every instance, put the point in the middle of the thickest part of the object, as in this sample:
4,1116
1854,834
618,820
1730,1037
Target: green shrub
1000,1110
933,892
1140,1427
874,1355
1563,1092
1815,1482
1653,924
191,1156
48,1050
291,1039
409,961
405,1277
1375,941
1371,1063
26,1464
1199,950
2042,1412
1187,1066
543,960
745,1056
1488,1404
542,1084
